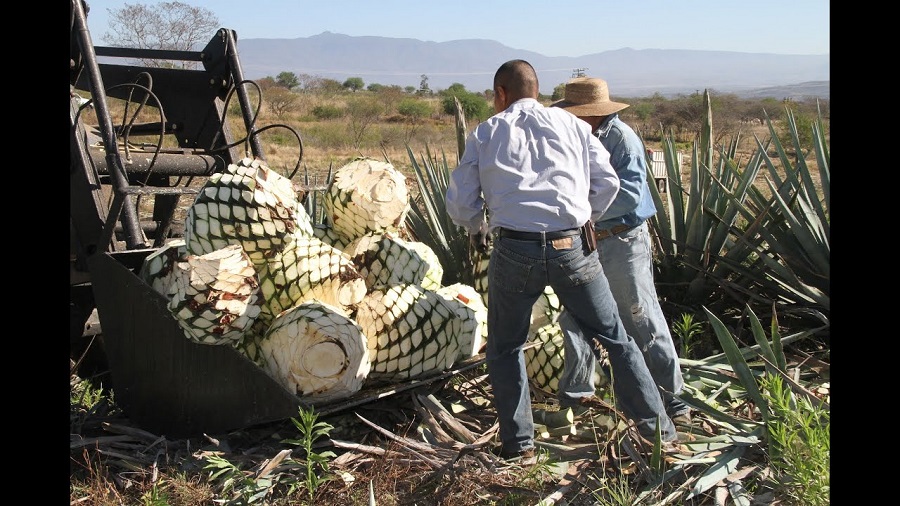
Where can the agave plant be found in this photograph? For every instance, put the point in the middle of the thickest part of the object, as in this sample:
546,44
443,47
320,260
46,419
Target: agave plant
689,239
428,221
789,226
719,236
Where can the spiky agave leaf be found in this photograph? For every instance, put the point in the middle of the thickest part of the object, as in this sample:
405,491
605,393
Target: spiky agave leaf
215,297
473,313
316,351
383,258
307,269
428,221
366,195
247,204
411,331
159,266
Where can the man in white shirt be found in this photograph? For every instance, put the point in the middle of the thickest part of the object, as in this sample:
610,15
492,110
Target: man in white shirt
540,175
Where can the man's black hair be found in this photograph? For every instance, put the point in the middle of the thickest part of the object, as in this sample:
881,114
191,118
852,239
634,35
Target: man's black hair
518,78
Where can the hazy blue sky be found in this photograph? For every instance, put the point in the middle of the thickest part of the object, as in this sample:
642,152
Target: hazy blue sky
570,28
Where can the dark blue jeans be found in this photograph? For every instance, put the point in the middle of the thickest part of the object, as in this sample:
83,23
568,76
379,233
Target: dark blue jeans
518,272
627,260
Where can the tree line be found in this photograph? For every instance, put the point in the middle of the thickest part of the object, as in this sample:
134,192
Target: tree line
654,115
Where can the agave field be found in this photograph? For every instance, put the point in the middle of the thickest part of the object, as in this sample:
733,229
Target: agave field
364,300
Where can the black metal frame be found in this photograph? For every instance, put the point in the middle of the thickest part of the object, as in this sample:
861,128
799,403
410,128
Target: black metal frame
163,381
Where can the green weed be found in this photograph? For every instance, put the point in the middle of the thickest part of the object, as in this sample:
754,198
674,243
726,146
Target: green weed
316,465
241,485
799,444
85,394
687,331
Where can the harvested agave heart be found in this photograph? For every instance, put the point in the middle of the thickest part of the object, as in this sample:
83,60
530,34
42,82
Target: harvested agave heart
215,297
316,351
383,258
473,314
308,269
411,331
364,196
247,204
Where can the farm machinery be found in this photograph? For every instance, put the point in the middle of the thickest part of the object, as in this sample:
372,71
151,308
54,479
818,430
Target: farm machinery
209,292
124,198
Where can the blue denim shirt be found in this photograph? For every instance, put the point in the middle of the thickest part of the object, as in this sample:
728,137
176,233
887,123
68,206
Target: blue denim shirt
634,203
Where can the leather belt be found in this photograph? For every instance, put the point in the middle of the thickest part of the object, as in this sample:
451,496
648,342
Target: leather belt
609,232
538,236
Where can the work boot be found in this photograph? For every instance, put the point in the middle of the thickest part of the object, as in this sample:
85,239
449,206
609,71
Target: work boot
520,457
592,402
683,419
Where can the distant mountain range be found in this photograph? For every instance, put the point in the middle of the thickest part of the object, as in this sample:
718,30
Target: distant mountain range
472,63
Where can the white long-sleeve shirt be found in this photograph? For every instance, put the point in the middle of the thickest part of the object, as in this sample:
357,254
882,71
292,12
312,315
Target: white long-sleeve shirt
536,168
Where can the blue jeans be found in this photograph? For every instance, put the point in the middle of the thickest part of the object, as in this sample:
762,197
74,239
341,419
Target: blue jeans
518,272
627,260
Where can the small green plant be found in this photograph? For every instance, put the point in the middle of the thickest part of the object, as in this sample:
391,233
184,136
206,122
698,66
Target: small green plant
687,331
613,491
799,444
156,496
243,486
543,467
85,394
317,471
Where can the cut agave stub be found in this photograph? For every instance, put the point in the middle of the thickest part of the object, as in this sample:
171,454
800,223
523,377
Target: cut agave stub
159,267
215,297
247,204
317,352
411,331
544,362
480,264
545,311
308,269
383,258
473,314
366,195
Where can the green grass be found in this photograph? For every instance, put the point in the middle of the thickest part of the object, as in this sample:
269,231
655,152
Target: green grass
799,444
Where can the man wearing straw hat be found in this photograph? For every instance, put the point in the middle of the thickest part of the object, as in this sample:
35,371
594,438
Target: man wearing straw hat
624,247
543,179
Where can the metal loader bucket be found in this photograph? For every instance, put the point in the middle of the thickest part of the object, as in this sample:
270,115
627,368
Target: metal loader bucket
166,383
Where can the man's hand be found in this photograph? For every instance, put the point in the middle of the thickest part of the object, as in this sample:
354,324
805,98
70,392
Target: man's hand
480,240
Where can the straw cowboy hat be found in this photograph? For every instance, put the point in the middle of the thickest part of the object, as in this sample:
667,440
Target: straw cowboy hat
588,96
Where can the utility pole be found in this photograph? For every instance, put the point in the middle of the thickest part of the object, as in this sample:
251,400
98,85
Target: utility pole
578,72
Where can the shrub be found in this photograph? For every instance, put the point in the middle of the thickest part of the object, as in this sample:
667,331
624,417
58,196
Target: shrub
327,112
474,106
414,109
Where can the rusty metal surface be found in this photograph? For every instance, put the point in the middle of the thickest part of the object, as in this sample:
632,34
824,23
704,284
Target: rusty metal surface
167,384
